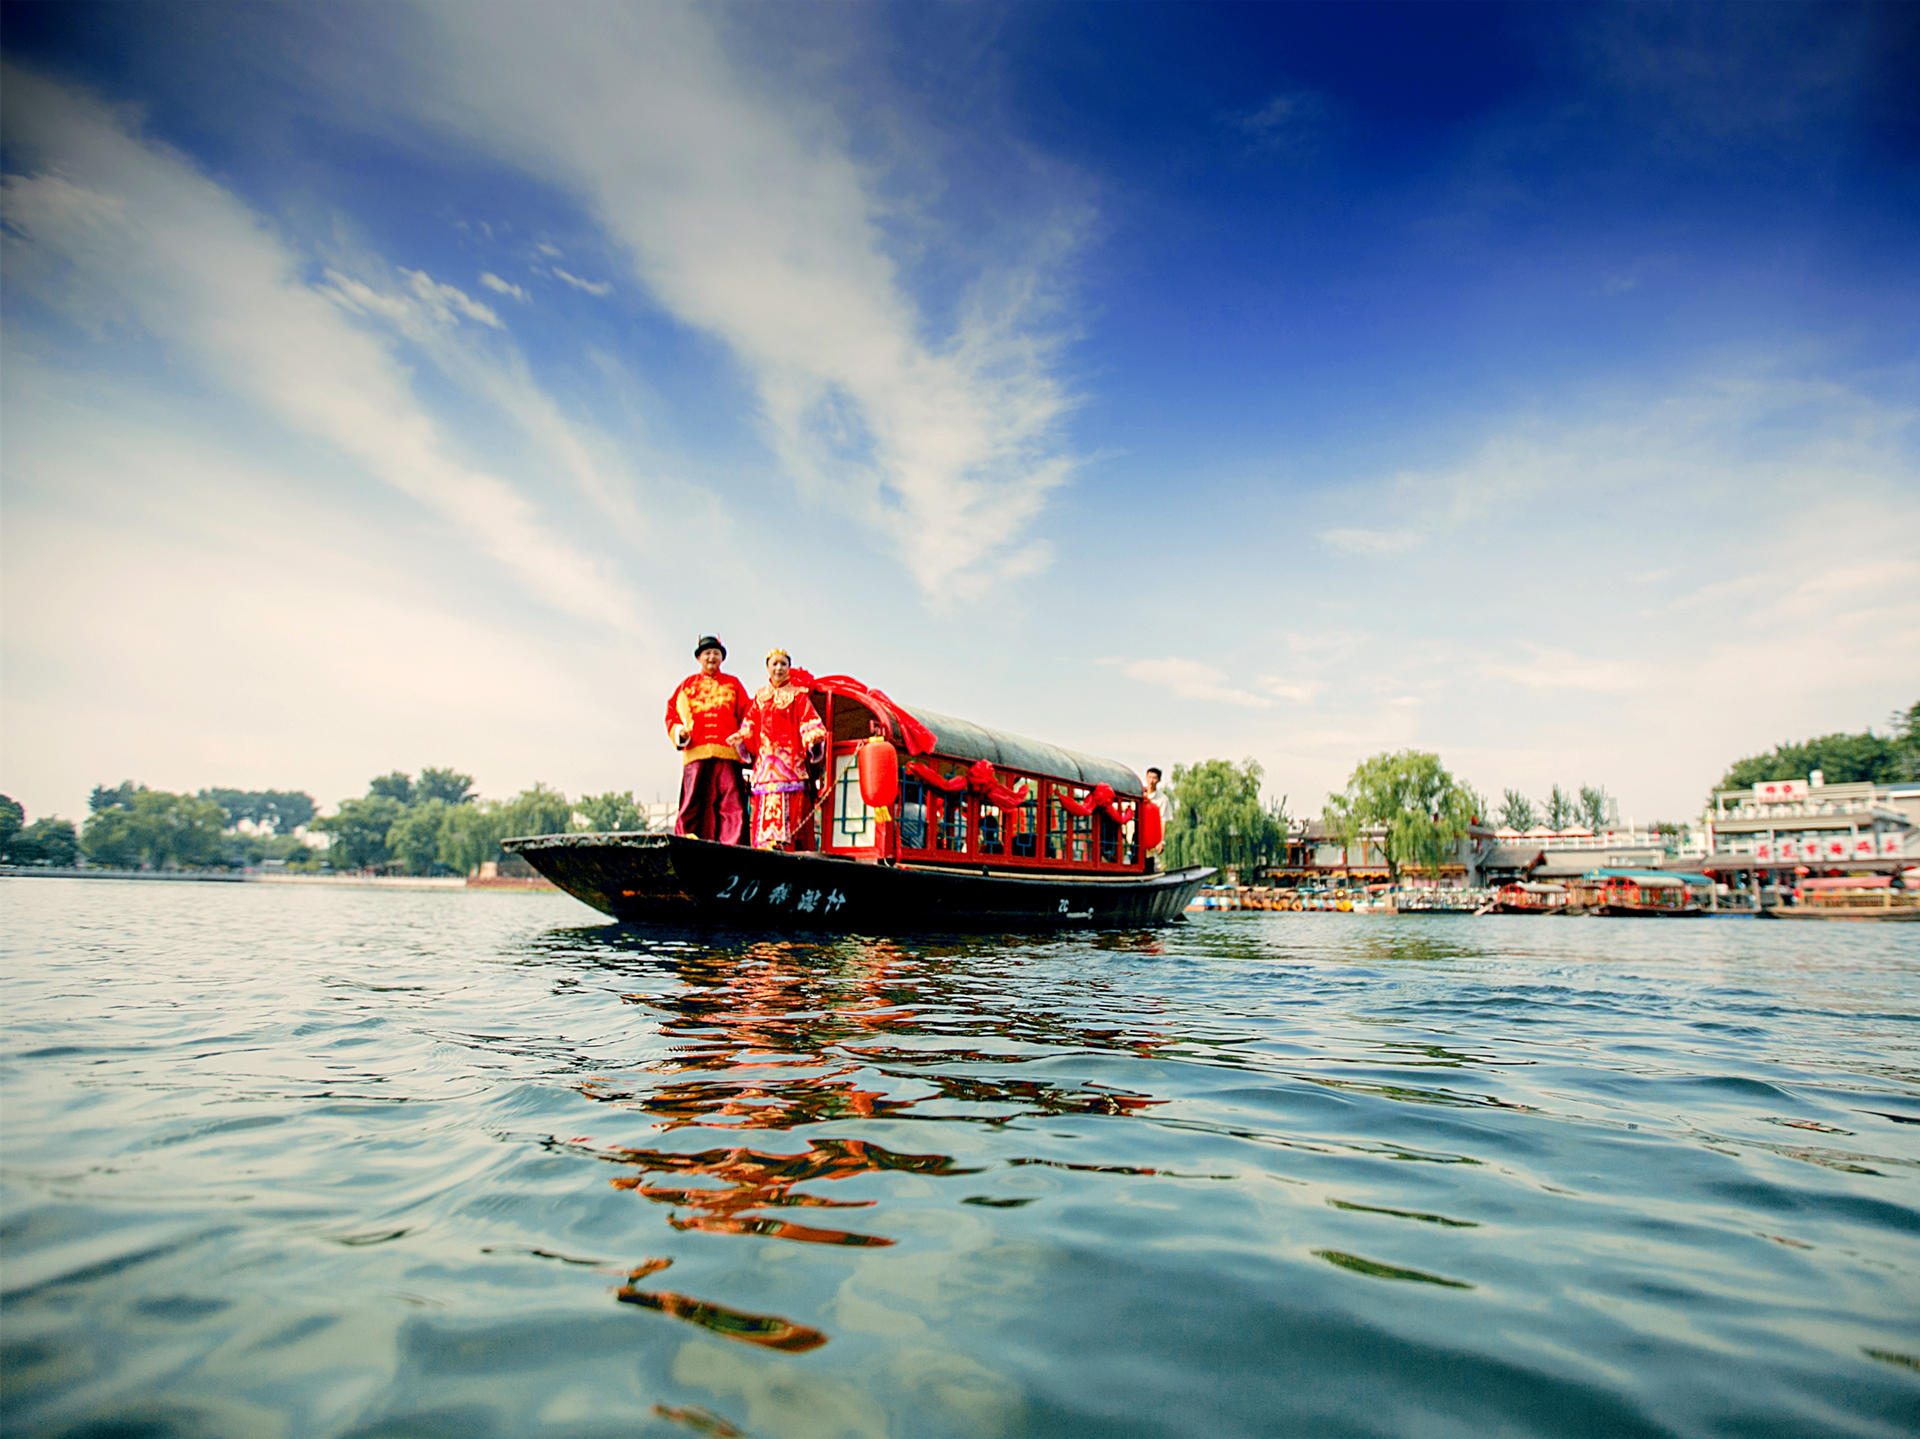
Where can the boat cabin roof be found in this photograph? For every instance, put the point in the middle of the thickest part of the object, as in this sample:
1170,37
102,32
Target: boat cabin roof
1862,881
963,739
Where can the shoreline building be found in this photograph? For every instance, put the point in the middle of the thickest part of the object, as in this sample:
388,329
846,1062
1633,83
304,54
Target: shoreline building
1784,827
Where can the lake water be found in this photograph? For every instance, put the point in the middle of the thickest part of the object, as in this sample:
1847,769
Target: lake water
304,1161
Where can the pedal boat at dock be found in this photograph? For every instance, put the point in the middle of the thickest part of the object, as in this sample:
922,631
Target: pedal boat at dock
989,831
1530,897
1860,897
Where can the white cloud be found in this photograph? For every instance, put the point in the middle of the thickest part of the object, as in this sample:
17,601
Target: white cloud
503,287
1348,541
748,214
125,232
600,288
1548,668
1288,121
1191,680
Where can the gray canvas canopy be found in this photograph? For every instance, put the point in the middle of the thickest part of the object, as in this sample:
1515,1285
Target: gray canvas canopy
963,739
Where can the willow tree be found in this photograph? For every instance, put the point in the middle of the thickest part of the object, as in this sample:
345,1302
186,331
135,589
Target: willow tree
1408,804
1218,817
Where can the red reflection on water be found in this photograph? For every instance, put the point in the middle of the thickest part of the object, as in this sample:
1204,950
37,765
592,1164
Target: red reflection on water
769,1331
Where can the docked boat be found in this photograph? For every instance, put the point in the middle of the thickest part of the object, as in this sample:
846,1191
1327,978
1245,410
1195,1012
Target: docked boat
1870,897
1530,897
1636,893
924,823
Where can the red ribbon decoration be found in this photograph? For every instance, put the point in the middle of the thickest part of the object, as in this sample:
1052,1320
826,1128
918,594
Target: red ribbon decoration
919,739
985,782
932,776
1101,798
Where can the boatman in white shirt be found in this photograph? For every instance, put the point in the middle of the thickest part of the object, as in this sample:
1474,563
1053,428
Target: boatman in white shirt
1163,802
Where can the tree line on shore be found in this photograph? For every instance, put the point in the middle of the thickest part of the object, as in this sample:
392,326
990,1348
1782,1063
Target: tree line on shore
432,824
1409,805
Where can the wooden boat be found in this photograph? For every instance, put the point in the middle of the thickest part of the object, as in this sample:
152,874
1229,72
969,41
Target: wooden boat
1530,897
1860,897
985,830
1635,893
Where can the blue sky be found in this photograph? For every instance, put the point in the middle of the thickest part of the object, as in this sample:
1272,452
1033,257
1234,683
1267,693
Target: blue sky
399,385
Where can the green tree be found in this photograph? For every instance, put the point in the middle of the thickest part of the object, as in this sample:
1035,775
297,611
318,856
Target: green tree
1419,810
393,785
45,841
470,835
1841,759
415,836
612,813
157,830
1517,811
1593,807
1218,818
539,810
1561,809
359,829
274,810
446,785
12,816
121,797
1905,725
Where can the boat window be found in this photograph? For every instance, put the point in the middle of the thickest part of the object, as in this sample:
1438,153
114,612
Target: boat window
913,814
990,837
953,823
1023,827
1109,831
1069,835
852,820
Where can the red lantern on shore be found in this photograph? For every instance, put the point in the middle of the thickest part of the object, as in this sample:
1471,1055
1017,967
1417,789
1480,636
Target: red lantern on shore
1152,826
879,774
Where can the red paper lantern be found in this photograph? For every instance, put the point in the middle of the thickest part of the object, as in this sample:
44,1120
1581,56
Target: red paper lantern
879,774
1152,827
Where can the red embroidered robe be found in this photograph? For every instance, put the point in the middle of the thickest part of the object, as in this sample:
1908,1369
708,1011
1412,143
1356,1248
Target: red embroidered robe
780,727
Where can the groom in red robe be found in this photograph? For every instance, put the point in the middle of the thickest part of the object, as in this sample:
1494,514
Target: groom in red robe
703,710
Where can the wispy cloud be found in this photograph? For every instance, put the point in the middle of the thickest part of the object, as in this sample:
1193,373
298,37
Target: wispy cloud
503,287
1191,680
1289,121
749,214
598,288
1352,541
1548,668
126,232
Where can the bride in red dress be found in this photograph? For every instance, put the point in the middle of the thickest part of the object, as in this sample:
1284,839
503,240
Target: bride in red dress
782,731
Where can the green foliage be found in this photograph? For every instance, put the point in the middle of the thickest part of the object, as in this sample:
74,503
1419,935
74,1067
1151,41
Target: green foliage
539,810
278,811
1218,818
470,834
1420,810
155,830
611,812
414,838
252,849
45,841
1841,758
359,829
1517,811
1562,810
120,797
393,785
448,786
1593,807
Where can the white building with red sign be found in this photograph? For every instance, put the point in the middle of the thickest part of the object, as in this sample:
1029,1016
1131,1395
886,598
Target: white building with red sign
1794,824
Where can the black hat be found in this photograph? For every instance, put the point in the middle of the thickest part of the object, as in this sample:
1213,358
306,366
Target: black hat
709,642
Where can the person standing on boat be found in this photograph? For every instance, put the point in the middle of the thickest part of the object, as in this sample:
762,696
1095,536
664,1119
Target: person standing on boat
1162,801
783,732
703,710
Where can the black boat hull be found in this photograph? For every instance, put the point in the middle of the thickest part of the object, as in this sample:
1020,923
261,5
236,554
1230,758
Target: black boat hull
670,879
